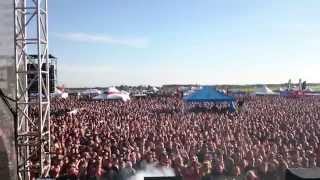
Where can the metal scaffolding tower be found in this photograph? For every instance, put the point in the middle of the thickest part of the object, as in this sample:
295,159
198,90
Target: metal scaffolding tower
33,110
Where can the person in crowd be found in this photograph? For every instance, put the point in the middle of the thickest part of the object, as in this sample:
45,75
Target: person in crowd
206,173
126,171
251,175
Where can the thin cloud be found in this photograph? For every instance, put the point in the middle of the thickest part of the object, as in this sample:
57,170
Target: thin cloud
105,39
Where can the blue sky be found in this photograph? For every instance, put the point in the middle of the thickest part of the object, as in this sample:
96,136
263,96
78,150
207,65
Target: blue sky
113,42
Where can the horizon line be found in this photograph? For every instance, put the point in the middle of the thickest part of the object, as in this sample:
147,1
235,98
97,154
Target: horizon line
192,84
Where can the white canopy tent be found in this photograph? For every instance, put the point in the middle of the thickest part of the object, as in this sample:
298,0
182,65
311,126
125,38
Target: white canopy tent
112,90
114,96
155,89
309,89
64,95
59,94
91,91
264,90
124,92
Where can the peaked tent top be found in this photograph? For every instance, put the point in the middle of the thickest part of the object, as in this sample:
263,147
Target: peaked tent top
208,94
113,90
263,90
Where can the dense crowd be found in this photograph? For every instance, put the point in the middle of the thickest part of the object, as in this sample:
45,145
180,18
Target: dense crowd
113,140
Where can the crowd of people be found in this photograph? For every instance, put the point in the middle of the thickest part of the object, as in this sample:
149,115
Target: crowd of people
113,140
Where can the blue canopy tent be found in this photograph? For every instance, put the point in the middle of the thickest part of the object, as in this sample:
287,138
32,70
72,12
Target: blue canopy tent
210,94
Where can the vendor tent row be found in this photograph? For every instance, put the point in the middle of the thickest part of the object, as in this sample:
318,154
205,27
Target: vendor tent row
111,93
264,90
